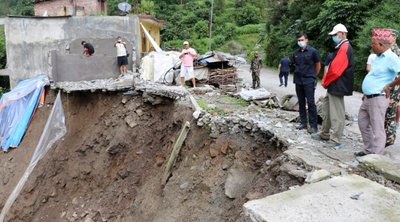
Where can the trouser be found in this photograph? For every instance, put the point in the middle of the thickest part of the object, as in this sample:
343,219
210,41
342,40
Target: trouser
371,121
285,76
305,93
390,117
256,79
333,117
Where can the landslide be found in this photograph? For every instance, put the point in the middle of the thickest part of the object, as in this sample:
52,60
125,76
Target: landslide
109,166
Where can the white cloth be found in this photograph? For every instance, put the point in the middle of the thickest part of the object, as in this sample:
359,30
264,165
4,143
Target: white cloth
371,58
121,50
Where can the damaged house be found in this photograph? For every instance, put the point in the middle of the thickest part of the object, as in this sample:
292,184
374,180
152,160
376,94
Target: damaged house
52,45
69,7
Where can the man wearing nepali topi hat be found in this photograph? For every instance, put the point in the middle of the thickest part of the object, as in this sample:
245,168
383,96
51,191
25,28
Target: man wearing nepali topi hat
371,117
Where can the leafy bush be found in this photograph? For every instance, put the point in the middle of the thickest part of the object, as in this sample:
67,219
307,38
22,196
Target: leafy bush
228,30
3,58
249,14
248,29
200,29
218,40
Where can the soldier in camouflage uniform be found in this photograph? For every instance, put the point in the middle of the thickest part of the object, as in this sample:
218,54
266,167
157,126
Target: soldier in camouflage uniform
390,118
255,67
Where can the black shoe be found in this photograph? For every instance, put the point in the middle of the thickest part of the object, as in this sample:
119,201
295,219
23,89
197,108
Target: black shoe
312,130
301,126
280,85
360,153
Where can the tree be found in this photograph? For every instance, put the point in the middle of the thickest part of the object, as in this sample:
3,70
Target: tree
22,7
248,14
201,29
385,15
4,8
3,59
147,7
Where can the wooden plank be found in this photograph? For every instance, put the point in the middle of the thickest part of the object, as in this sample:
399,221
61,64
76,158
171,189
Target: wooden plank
175,152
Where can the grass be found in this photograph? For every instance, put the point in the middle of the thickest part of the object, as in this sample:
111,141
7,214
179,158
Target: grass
222,105
236,100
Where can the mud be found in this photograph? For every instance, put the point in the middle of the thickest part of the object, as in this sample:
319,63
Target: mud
109,166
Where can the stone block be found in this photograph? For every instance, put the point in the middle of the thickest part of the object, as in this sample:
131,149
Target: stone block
386,166
329,201
317,176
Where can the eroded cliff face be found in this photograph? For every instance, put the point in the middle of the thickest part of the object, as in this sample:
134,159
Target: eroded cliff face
109,166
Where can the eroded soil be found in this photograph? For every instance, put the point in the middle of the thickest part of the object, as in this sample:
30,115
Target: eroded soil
109,166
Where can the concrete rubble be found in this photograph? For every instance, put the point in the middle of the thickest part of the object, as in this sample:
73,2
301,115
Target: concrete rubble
384,165
238,178
111,84
347,198
308,160
154,93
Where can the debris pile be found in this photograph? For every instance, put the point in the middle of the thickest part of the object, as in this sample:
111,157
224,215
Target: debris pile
220,68
222,76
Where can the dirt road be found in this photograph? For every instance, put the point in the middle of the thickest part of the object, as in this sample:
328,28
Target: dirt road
270,80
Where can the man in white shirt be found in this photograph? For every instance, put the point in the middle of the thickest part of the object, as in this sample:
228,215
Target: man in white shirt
371,58
122,58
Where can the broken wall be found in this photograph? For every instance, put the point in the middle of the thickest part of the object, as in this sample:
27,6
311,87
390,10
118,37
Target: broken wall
30,41
66,7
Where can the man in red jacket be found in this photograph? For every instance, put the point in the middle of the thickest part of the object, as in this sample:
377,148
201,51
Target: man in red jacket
338,81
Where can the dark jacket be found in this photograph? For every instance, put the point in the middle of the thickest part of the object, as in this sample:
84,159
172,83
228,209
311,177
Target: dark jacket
305,61
339,80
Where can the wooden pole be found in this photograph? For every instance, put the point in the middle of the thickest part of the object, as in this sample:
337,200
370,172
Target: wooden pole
175,152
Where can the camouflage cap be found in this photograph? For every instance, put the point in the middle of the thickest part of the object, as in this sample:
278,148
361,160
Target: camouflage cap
395,33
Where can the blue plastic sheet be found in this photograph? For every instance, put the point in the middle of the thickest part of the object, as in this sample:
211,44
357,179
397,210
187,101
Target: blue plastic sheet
53,131
16,109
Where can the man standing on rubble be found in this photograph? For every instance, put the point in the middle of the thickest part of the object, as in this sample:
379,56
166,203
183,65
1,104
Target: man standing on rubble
338,81
255,67
187,56
307,66
376,89
88,48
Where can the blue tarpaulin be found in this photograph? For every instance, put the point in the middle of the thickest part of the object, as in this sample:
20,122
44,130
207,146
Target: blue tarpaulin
16,109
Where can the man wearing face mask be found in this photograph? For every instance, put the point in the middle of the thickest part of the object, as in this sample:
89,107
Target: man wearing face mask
338,81
307,66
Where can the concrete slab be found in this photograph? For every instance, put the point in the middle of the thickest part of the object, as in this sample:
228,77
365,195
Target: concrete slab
314,159
384,165
157,89
111,84
348,198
